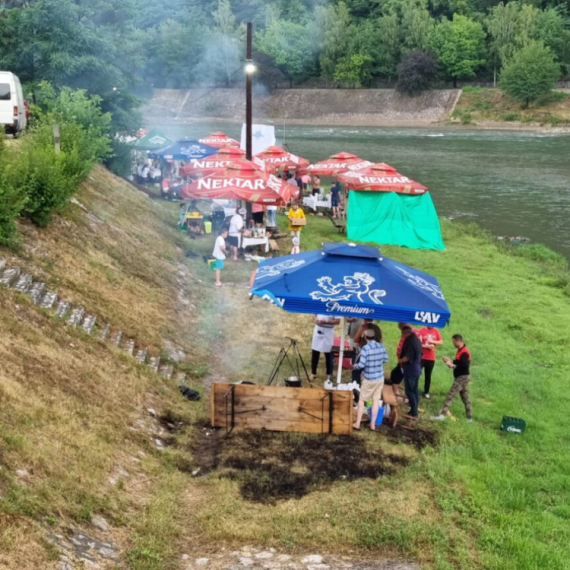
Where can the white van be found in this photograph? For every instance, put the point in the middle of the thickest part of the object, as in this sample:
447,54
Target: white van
12,104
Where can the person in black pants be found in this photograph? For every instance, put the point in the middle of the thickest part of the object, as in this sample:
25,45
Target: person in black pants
410,360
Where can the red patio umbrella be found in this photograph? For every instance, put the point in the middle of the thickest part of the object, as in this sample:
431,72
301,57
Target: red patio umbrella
380,177
276,158
336,164
218,139
241,180
212,164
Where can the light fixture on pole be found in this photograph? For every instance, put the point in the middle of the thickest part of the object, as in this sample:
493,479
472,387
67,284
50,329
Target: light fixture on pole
250,67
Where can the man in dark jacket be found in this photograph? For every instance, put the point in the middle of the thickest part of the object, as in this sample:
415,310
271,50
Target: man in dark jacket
461,377
410,359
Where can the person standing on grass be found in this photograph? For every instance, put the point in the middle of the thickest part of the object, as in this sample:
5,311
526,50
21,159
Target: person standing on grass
219,254
257,212
373,356
461,378
316,185
323,338
305,179
295,213
234,232
410,359
335,199
430,339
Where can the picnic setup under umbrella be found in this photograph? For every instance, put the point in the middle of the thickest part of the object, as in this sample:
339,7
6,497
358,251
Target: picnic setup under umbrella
212,164
346,279
387,207
276,158
336,164
219,140
241,180
153,140
185,149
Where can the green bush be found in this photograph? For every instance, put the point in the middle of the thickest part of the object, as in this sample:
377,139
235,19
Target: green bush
11,200
35,180
542,254
511,117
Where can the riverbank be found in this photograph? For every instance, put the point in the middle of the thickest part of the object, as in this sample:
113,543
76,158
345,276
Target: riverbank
474,107
81,421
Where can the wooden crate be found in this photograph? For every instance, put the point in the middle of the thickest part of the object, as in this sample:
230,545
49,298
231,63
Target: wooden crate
277,408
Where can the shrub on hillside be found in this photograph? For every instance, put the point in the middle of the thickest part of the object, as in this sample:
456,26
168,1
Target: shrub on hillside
416,73
42,179
530,74
11,200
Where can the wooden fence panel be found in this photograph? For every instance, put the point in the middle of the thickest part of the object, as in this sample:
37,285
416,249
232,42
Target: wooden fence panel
276,408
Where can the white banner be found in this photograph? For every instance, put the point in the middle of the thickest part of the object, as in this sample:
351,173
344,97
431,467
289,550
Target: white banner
262,136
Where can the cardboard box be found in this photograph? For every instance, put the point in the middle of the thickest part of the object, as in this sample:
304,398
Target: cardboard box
298,221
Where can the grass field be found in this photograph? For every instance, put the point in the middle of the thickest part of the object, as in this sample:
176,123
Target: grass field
479,104
477,499
482,498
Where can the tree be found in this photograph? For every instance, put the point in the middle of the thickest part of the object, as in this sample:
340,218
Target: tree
551,26
531,73
354,70
416,25
502,25
416,72
333,30
459,46
289,45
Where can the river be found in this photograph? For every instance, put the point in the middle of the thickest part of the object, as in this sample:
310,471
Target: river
510,182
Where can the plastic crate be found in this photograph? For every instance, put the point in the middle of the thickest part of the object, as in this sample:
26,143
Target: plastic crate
513,425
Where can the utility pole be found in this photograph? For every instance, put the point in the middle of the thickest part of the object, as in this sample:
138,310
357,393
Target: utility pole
249,69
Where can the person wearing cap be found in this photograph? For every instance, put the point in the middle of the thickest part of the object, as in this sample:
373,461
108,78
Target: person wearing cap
234,232
373,356
295,249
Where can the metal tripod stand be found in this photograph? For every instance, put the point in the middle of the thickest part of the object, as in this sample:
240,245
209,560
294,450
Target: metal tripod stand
292,355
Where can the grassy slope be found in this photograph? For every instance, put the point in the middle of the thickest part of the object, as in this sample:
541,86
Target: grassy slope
478,104
70,404
482,500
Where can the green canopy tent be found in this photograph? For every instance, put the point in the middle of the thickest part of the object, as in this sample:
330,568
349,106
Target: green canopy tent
153,140
386,207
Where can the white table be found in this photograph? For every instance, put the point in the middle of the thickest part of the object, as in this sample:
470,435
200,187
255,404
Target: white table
249,241
313,202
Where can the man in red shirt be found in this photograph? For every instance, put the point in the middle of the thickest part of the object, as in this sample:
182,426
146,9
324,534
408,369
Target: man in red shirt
461,377
430,338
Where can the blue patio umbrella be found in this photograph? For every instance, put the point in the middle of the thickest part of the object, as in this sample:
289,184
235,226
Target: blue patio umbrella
185,149
348,280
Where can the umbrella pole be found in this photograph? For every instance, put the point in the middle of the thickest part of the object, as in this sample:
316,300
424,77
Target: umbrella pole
341,351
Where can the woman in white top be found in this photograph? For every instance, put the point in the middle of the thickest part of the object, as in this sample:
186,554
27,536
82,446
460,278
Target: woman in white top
323,338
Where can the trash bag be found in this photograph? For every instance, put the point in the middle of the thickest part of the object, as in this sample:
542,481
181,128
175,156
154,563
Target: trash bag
190,254
189,393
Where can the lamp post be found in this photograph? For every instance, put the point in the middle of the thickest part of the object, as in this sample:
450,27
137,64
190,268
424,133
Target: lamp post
249,70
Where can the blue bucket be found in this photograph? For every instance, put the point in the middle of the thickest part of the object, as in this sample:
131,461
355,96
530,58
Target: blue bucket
380,416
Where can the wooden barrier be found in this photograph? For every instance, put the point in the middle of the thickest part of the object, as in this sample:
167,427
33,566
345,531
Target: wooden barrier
277,408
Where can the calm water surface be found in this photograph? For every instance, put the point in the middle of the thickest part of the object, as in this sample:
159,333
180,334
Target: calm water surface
512,183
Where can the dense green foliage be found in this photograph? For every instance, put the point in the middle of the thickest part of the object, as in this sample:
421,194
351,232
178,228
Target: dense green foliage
416,72
113,48
530,73
35,180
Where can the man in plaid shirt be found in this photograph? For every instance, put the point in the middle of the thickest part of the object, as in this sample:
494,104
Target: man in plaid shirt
373,356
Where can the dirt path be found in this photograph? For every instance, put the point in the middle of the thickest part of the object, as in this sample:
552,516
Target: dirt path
250,558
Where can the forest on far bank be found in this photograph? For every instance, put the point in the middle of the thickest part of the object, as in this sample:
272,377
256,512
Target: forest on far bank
120,49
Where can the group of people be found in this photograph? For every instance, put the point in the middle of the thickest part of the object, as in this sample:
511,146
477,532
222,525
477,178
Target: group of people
416,351
228,241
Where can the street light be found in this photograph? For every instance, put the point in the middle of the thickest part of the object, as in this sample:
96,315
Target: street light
250,67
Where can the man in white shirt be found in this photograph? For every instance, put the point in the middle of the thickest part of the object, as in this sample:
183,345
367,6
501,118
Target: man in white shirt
236,227
219,254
